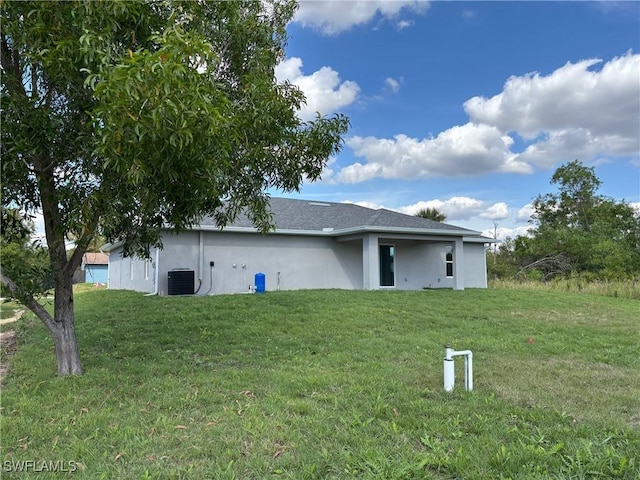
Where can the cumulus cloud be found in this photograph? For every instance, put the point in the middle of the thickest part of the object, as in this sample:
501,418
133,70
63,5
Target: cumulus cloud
577,111
459,151
393,84
572,97
524,214
461,208
501,233
323,89
332,17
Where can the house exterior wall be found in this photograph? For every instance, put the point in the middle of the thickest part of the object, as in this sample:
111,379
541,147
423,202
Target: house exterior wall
130,273
410,272
423,265
303,262
475,265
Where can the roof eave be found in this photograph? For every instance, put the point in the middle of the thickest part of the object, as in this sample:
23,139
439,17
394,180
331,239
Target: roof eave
481,239
348,231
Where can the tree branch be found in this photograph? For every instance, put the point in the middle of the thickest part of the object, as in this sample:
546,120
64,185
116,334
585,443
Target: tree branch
557,263
30,303
51,214
10,61
81,246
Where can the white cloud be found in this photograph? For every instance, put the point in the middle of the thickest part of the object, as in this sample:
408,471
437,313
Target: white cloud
461,208
497,211
323,89
328,173
472,213
402,24
458,151
575,112
524,214
331,17
636,207
578,111
578,143
571,97
374,206
393,84
501,233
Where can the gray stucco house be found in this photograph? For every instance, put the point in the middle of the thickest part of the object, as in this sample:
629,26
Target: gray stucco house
315,245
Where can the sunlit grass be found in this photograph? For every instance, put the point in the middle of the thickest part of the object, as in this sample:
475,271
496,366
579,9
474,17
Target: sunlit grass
9,309
334,384
618,289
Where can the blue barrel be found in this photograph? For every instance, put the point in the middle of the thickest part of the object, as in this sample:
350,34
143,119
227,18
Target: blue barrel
260,282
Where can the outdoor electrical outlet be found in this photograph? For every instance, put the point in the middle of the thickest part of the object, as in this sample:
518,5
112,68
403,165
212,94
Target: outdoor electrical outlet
211,263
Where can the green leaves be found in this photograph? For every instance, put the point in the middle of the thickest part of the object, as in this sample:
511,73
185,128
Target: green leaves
23,260
599,235
153,114
125,117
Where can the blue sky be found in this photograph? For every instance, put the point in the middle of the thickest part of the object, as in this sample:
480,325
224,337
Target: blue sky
470,106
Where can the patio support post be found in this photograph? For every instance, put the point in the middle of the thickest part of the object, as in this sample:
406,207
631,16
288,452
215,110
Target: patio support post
370,262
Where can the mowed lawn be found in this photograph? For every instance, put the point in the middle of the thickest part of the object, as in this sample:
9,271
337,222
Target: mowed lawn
332,384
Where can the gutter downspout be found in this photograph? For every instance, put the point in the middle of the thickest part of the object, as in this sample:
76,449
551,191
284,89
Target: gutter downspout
201,267
201,261
156,275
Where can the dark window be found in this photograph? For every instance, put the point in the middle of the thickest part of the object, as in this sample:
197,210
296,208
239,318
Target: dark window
449,262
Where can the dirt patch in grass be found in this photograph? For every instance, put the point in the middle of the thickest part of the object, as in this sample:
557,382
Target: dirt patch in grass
8,345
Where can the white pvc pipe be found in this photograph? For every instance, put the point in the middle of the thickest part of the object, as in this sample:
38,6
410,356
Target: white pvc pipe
449,368
468,371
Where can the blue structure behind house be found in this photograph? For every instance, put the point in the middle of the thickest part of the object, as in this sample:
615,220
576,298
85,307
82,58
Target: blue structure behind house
96,273
96,268
260,282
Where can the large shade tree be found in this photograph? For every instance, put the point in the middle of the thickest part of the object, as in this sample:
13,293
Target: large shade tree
121,117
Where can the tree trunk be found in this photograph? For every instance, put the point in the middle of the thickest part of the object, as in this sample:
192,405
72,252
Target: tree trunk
63,329
61,326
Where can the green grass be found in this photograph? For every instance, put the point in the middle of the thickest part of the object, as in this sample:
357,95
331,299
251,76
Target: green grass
9,309
611,288
333,385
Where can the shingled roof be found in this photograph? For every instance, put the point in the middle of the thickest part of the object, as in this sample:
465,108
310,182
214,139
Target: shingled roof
315,216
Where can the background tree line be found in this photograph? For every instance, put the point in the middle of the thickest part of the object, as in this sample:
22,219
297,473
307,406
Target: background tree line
574,231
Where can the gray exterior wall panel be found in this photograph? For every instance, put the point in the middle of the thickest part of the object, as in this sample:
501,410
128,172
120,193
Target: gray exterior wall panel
304,262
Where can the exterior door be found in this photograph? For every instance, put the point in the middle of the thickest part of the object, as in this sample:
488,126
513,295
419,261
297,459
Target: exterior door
387,267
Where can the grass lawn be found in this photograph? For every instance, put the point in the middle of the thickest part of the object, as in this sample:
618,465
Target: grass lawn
332,384
9,309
